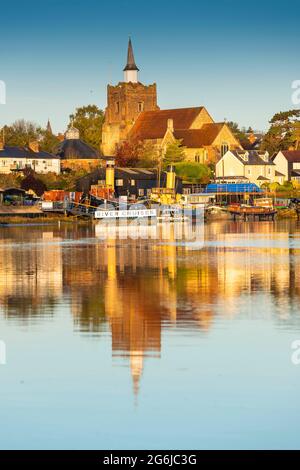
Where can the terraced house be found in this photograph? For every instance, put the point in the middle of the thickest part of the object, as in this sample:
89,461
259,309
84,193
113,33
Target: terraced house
13,159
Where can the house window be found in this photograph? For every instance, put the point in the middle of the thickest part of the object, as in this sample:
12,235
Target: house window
140,106
141,192
197,158
132,182
117,107
269,171
224,148
119,182
249,171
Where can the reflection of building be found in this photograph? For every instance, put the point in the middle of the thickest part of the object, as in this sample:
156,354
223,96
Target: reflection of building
136,288
30,276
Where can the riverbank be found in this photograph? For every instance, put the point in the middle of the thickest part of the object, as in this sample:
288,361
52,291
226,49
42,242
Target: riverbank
32,215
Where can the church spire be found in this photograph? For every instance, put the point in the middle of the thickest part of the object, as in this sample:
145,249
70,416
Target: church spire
130,70
49,128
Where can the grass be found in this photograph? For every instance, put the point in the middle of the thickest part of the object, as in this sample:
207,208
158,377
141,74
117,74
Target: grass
49,219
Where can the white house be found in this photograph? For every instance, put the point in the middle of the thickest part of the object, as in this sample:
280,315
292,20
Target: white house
247,165
288,164
19,158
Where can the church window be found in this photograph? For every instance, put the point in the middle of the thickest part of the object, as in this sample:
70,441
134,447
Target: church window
224,148
140,106
117,107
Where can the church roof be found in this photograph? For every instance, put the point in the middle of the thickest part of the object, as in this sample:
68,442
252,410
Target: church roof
130,58
76,149
195,138
153,124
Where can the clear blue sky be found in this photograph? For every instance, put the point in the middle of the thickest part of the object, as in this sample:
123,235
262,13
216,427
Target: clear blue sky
236,58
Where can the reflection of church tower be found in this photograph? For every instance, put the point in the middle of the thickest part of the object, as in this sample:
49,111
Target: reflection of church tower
125,102
136,366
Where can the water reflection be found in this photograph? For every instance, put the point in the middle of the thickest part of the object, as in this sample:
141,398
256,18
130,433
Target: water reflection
135,288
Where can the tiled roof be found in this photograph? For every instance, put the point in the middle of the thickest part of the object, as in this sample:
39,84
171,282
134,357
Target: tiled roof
263,178
76,149
277,173
254,157
195,138
24,152
292,156
153,124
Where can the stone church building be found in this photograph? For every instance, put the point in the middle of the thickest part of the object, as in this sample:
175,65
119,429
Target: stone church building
132,114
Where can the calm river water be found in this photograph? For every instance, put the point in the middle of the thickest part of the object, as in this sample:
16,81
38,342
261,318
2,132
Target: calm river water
143,343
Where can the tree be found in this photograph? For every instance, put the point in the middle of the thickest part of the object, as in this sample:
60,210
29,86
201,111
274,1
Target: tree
175,153
88,120
21,132
48,141
239,134
148,155
127,154
283,132
193,172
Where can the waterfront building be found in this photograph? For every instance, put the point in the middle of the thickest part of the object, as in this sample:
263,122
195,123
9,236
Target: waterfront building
132,115
249,166
13,159
131,182
288,164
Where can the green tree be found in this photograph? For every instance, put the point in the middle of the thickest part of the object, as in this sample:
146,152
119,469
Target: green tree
148,155
175,153
239,134
88,120
48,141
283,132
193,172
21,132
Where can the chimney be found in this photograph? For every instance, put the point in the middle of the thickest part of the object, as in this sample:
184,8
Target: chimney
110,174
171,177
170,125
34,146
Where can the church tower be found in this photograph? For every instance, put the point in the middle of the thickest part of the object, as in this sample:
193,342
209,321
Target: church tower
125,102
